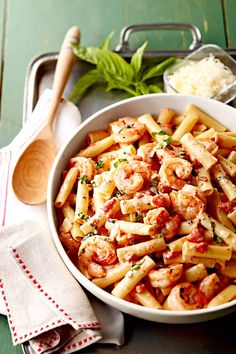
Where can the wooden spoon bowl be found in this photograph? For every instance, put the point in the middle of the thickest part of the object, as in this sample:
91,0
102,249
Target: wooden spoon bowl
30,176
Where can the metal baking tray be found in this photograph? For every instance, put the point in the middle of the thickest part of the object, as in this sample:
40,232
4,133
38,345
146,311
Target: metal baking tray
41,69
140,336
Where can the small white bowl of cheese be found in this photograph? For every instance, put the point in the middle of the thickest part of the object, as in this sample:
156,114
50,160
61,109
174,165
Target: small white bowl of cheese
208,72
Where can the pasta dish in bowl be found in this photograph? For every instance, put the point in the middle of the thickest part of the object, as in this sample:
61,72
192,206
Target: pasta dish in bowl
141,205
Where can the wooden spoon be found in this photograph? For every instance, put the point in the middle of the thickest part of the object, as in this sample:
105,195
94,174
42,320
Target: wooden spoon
30,176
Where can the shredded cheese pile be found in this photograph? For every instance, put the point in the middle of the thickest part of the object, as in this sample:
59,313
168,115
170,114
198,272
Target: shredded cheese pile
204,78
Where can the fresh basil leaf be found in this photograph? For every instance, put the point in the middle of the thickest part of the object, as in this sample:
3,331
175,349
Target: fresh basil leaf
90,54
154,89
137,57
113,64
84,83
118,84
159,69
141,88
106,44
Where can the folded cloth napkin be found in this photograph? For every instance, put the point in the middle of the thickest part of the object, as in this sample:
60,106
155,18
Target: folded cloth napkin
43,302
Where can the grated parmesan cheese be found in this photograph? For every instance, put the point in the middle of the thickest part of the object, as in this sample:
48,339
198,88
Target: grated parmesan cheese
204,78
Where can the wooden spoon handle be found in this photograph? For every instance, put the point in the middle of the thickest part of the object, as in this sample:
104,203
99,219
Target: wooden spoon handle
64,67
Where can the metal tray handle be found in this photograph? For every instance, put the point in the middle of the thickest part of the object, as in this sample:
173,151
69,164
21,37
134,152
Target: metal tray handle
125,33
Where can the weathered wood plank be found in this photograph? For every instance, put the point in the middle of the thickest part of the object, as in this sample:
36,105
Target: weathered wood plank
42,25
6,346
230,22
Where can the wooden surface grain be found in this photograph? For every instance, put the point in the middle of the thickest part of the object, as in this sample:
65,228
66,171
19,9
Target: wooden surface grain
229,11
34,27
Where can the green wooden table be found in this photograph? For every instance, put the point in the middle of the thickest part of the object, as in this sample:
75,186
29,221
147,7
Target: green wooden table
31,27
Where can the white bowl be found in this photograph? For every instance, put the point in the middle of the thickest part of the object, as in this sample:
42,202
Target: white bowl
134,106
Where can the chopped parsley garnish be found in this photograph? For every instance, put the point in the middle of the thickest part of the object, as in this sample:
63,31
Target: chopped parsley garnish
83,216
162,132
83,179
99,164
168,140
136,265
89,234
218,239
116,164
160,235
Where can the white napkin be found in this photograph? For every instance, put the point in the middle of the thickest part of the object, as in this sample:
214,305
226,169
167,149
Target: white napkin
42,300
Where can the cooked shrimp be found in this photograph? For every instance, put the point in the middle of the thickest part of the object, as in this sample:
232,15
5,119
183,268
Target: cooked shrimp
156,217
186,204
95,253
165,277
171,227
174,171
210,285
185,296
166,153
129,176
127,130
147,151
85,165
71,245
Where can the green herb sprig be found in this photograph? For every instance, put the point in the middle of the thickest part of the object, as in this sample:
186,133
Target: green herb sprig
114,72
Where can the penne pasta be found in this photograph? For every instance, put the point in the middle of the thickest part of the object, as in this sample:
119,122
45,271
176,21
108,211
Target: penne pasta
146,299
131,227
97,148
66,187
138,271
227,165
221,231
214,202
185,126
232,216
226,141
217,252
195,273
224,181
226,295
141,249
204,181
165,116
97,135
232,157
82,202
207,134
198,151
113,275
205,118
